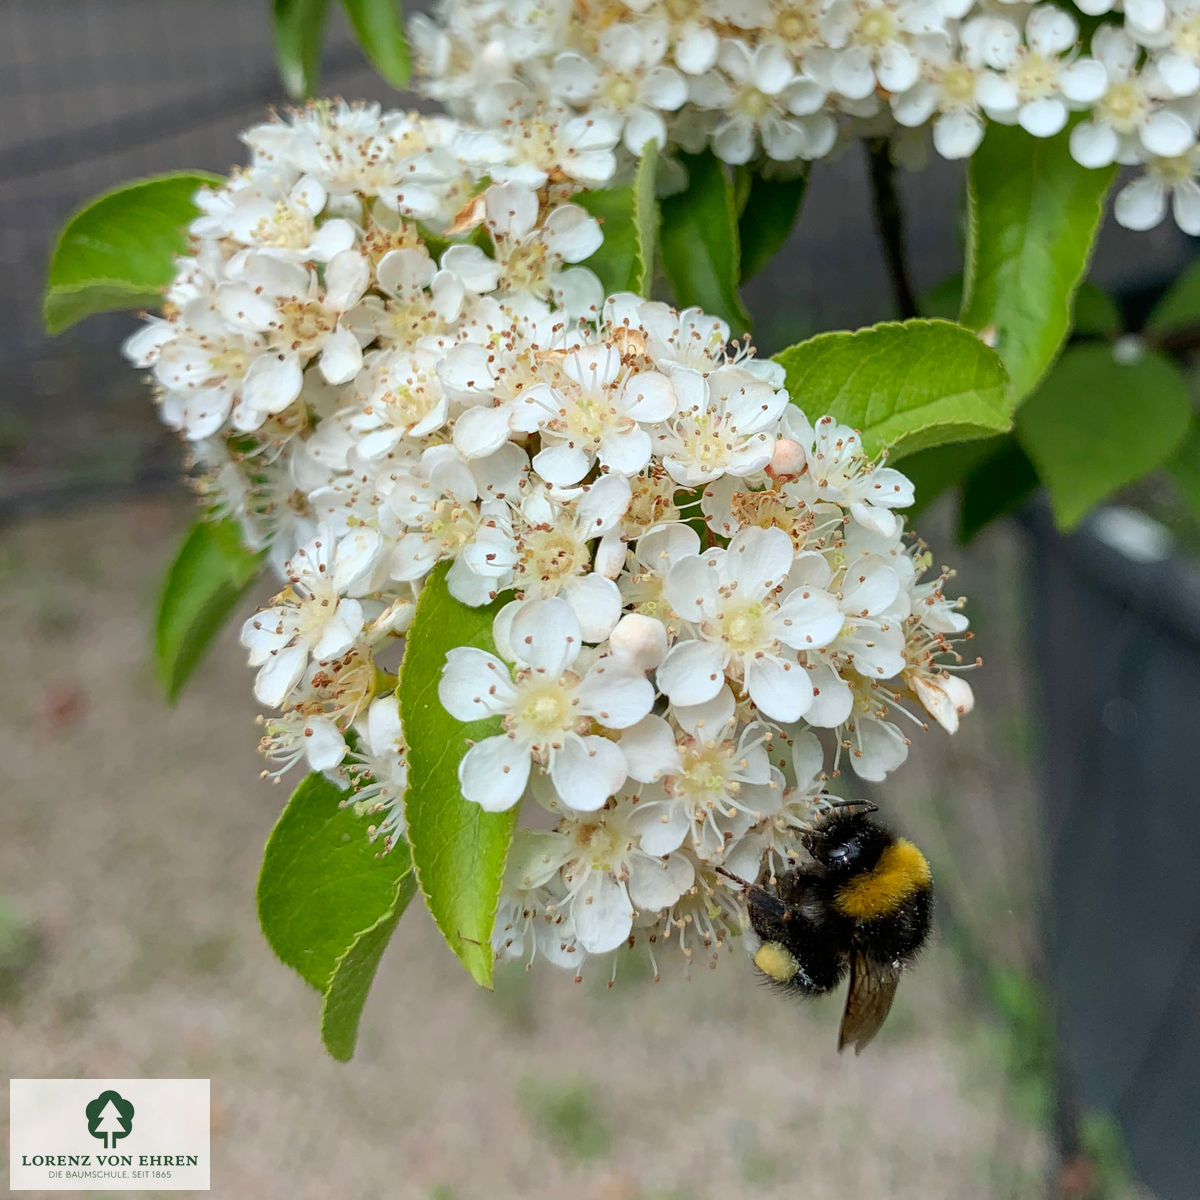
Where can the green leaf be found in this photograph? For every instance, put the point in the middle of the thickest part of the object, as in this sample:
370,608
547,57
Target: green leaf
997,486
1097,424
629,220
458,849
940,468
1184,469
1179,308
328,901
355,971
768,213
1095,313
905,385
646,216
379,28
211,572
944,299
119,250
299,28
1033,212
699,240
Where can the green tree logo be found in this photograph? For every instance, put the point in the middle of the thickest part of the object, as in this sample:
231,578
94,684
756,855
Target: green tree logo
109,1117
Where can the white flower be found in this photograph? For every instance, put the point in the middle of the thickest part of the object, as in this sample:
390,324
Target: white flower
612,876
312,615
1142,203
762,98
529,253
874,41
708,784
596,412
1127,110
629,79
1038,81
547,709
729,597
836,469
723,422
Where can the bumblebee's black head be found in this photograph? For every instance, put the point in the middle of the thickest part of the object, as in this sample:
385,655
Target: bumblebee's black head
846,842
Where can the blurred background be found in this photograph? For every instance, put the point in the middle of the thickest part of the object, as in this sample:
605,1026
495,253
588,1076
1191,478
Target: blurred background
1048,1045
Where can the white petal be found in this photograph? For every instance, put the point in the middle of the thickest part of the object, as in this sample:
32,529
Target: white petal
1094,145
1084,81
1043,118
852,74
808,760
663,88
603,914
1049,30
1179,74
869,587
708,720
481,431
603,504
1166,134
957,134
324,746
545,636
571,233
586,771
341,358
649,749
1148,15
808,619
877,748
596,603
996,94
649,396
340,631
916,105
474,684
347,276
562,465
833,698
692,672
479,272
1185,206
657,883
692,585
695,49
757,561
272,383
898,67
1141,204
662,824
494,772
279,674
781,689
615,695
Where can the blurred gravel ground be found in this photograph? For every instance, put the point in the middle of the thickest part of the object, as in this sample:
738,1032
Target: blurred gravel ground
130,838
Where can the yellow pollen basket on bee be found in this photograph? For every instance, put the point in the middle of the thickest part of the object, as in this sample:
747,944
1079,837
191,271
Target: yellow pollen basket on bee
776,961
900,871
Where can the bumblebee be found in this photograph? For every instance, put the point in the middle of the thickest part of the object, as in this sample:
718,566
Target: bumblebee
862,905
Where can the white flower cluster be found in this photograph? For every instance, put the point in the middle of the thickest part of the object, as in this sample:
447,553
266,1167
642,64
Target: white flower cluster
385,355
790,79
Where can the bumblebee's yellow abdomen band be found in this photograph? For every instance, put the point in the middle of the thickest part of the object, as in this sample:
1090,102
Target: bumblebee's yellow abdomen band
900,871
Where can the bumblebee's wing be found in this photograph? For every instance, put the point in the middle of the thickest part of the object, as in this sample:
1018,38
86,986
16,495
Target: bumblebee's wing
868,1002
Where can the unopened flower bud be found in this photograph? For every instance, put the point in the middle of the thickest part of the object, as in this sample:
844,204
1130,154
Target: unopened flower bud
788,458
640,640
